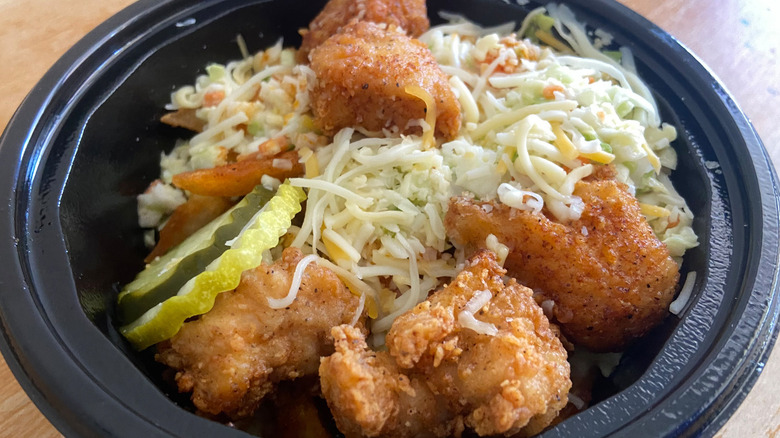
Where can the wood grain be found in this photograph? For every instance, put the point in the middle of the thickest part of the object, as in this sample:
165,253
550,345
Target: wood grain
738,39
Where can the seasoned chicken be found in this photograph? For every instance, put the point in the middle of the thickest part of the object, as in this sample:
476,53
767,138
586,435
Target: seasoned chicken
410,15
439,375
611,280
369,395
362,77
232,356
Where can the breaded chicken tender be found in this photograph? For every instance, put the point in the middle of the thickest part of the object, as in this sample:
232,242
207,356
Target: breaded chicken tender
410,15
362,75
610,278
369,395
440,376
232,356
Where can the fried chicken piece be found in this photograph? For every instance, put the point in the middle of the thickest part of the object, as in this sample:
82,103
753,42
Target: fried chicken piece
515,379
362,75
296,409
410,15
609,276
440,376
369,395
232,356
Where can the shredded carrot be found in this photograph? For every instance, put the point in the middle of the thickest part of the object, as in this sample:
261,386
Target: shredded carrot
549,91
508,66
267,148
213,98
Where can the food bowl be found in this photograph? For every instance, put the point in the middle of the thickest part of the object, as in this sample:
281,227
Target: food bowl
87,140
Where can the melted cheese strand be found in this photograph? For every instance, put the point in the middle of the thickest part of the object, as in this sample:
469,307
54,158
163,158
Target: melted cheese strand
524,159
430,111
678,304
359,311
466,317
466,99
331,188
281,303
505,119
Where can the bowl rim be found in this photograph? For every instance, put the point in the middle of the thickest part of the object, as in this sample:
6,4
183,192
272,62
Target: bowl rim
24,147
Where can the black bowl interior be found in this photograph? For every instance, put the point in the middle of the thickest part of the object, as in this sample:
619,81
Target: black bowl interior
75,168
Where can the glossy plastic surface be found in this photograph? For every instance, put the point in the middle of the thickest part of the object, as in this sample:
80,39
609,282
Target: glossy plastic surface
87,140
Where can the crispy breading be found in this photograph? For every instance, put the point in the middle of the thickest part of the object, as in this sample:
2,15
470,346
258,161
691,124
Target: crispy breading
369,395
609,276
362,73
410,15
438,376
232,356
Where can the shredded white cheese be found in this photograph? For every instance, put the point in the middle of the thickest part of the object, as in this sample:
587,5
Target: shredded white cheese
159,202
547,307
679,304
466,317
520,199
359,310
295,285
501,250
535,123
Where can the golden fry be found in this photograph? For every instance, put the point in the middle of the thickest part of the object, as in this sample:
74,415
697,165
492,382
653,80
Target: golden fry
187,219
239,178
184,118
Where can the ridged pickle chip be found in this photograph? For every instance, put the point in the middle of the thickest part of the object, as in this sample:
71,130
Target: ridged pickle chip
197,295
166,275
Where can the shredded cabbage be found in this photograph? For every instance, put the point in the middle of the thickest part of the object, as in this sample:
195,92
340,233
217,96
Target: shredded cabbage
535,122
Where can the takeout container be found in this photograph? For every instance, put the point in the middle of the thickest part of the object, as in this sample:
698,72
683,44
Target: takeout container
87,140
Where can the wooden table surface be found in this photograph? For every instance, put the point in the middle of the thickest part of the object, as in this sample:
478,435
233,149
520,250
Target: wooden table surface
738,39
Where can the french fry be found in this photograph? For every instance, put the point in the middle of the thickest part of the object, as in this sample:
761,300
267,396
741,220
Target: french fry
184,118
239,178
187,219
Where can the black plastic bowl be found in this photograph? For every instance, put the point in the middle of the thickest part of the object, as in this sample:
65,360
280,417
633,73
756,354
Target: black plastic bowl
86,141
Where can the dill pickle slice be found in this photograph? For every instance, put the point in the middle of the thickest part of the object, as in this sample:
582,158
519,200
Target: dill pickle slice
164,276
197,296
